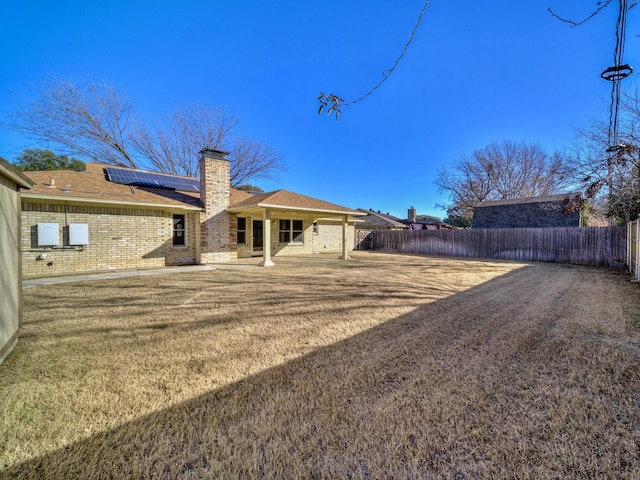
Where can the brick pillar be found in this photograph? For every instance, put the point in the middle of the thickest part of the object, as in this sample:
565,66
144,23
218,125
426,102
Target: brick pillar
217,232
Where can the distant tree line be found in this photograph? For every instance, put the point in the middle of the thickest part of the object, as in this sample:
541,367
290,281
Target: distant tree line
39,159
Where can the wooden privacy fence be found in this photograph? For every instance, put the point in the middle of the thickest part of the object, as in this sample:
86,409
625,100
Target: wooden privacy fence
633,248
583,246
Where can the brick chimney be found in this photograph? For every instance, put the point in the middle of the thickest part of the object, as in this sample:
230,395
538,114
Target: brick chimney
411,215
217,242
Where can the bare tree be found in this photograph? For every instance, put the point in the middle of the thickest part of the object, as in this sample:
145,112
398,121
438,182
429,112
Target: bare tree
94,122
173,147
253,159
87,120
609,174
502,170
523,170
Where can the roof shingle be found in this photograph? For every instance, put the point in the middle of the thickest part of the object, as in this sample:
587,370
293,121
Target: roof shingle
291,200
93,186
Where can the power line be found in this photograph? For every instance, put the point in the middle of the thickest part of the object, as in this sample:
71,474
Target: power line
574,23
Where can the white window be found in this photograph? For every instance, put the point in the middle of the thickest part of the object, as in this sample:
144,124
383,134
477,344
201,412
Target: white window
291,231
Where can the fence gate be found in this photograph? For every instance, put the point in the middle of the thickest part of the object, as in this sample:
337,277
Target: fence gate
633,248
364,239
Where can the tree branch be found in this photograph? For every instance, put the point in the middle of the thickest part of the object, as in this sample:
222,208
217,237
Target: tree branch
575,24
334,104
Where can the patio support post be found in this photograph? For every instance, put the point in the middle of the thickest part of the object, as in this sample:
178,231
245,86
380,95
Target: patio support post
345,255
266,239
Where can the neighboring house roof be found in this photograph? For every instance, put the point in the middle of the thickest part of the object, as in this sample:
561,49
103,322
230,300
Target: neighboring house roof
12,173
373,220
378,220
437,223
286,200
532,212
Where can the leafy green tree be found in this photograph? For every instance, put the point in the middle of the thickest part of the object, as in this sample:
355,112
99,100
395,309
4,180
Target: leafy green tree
623,206
249,188
427,218
459,217
39,159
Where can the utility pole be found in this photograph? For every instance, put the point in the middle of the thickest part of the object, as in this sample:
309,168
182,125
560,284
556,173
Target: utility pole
615,74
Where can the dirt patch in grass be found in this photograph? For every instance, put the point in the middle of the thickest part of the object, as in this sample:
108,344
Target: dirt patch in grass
386,366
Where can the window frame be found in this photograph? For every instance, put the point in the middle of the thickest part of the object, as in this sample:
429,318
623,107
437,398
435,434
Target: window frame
179,235
288,234
241,231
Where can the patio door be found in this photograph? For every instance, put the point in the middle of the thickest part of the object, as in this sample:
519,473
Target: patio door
257,242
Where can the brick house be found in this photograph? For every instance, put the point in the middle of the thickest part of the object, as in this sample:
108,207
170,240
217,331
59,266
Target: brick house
533,212
111,218
11,183
373,220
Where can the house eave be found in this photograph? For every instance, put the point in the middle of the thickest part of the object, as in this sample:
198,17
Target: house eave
97,201
311,211
335,219
14,175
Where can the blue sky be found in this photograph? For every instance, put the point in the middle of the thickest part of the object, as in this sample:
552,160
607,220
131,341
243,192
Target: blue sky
476,72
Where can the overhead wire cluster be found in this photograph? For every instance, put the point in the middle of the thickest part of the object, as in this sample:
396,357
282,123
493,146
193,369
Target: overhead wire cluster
616,73
617,151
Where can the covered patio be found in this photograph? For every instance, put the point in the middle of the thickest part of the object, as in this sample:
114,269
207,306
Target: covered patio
288,223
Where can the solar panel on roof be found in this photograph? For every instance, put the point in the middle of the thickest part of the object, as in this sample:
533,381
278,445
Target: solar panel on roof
151,179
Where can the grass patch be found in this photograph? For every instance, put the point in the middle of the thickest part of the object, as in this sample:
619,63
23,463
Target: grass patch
386,366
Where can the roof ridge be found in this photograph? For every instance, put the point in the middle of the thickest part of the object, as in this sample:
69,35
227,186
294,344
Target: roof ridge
536,199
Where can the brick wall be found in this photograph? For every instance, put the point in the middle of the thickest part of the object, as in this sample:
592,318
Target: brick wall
217,234
329,237
119,238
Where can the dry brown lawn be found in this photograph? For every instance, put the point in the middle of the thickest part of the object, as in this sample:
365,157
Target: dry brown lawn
386,366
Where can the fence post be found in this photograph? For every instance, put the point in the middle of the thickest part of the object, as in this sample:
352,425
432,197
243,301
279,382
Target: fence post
629,243
636,273
633,248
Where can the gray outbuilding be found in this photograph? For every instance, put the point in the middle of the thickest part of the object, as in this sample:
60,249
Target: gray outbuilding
11,181
534,212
